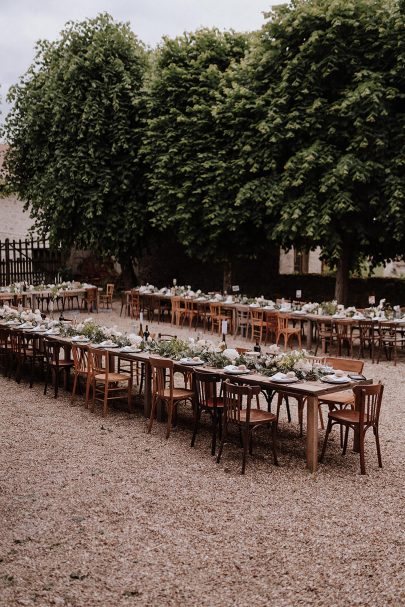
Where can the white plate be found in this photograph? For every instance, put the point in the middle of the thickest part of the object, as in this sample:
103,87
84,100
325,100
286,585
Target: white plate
190,362
287,380
40,329
330,379
233,371
80,341
130,350
106,346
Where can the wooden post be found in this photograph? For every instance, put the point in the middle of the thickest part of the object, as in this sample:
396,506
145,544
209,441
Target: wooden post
7,258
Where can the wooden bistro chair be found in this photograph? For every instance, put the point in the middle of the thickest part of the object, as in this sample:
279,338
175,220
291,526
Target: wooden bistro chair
89,301
238,412
271,326
107,385
391,337
208,387
4,349
81,370
177,314
56,365
106,298
345,398
325,334
369,338
163,390
345,335
134,304
217,315
285,330
28,351
190,312
365,415
257,324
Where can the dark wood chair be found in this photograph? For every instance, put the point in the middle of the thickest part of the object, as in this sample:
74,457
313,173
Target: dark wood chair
55,365
208,399
391,338
162,370
89,301
106,299
325,334
365,415
368,337
238,412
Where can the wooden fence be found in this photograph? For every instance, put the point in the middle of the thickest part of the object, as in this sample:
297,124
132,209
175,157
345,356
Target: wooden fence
31,260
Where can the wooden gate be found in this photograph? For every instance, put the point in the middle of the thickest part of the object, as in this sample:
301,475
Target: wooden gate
31,260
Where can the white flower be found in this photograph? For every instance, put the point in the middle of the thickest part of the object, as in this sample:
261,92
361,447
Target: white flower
302,365
80,327
230,353
134,339
273,349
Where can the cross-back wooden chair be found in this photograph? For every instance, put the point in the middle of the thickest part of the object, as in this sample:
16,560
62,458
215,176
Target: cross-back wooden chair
238,412
164,392
365,415
107,297
257,324
217,315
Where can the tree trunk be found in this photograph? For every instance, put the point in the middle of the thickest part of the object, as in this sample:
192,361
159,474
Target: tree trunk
128,277
342,276
227,280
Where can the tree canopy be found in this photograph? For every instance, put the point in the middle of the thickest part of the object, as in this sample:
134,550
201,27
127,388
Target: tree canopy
325,144
191,178
74,133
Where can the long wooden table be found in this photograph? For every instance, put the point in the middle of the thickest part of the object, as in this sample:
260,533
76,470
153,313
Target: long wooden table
35,295
312,390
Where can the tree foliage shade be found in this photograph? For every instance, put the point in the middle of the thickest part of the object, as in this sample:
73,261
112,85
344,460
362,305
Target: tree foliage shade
191,166
325,146
75,132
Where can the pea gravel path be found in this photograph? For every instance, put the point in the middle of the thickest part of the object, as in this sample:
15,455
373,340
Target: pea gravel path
95,512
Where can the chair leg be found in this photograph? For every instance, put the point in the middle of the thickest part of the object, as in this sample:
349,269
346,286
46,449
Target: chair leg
55,372
274,442
345,440
152,414
246,440
88,384
214,433
328,429
362,458
197,414
221,446
72,400
170,407
377,442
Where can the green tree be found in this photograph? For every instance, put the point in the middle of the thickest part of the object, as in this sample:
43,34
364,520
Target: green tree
75,131
325,88
192,183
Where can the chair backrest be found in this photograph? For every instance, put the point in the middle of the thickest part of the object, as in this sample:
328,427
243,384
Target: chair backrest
177,303
316,360
206,388
80,358
282,322
166,337
342,328
91,295
242,314
257,316
134,297
272,318
236,398
99,361
51,351
368,402
215,309
345,364
159,367
110,289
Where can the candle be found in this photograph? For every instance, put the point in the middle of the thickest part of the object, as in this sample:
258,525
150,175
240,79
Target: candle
141,317
224,327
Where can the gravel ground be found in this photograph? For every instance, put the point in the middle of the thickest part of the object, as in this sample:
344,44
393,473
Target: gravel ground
95,512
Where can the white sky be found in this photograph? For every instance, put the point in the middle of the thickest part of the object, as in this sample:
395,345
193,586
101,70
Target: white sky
23,22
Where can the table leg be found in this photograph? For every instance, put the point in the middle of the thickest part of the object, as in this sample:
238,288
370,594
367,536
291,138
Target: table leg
147,403
309,329
312,433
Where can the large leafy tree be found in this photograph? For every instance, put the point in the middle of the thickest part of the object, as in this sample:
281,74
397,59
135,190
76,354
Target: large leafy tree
191,171
75,132
325,146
